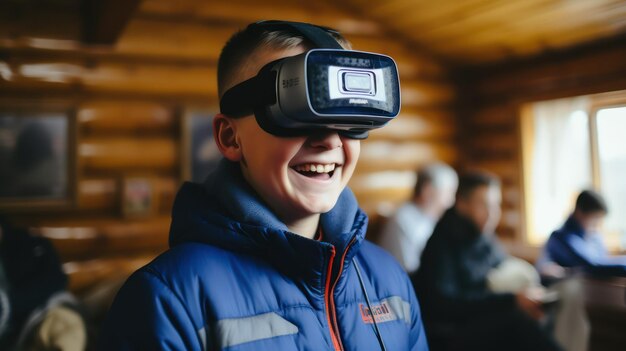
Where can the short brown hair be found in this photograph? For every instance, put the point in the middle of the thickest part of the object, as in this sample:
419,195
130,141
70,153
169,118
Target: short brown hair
245,42
470,181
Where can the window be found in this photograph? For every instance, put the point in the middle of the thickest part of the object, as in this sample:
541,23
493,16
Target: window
611,136
569,145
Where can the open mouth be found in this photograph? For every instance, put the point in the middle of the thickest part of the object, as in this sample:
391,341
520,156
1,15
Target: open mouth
316,171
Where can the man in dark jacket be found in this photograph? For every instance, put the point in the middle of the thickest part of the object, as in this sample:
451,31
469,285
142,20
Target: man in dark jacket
269,253
36,311
460,312
578,244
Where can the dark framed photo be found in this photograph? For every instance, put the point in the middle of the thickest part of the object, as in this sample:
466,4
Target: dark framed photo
200,154
36,158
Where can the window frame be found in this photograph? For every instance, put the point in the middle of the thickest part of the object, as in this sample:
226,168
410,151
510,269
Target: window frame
597,102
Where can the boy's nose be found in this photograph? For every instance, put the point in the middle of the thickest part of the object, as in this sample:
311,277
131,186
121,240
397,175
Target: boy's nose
326,140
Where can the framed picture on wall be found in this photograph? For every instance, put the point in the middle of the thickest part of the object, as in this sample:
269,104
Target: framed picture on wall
139,196
36,158
200,155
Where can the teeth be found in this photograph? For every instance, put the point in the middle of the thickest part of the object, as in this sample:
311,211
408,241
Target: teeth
318,168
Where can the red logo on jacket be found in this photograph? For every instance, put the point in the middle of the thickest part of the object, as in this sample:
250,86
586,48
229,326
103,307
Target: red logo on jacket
381,312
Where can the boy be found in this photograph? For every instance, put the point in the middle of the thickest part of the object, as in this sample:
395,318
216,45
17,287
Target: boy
460,311
578,245
408,230
268,254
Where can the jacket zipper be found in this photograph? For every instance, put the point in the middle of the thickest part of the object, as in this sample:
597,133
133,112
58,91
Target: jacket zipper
331,313
328,297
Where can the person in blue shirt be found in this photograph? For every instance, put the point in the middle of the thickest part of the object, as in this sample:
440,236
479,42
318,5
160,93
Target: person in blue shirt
269,252
577,245
405,234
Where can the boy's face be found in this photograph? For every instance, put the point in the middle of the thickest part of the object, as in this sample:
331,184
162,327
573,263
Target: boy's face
590,222
482,207
296,176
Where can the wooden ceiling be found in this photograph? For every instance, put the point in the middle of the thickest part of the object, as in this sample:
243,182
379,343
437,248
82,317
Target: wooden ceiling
465,32
458,32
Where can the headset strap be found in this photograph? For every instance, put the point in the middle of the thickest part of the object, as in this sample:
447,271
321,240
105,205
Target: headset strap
241,99
320,36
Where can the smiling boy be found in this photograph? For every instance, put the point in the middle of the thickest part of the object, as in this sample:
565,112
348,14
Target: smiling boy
269,253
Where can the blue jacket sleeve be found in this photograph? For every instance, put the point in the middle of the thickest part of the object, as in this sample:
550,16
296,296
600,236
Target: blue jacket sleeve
148,315
417,335
572,250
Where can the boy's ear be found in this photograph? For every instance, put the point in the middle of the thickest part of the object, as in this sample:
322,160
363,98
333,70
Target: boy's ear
225,135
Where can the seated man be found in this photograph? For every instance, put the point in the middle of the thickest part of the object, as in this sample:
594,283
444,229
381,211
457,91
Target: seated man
460,311
408,230
578,245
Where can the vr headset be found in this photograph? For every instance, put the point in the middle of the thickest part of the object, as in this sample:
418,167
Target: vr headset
324,88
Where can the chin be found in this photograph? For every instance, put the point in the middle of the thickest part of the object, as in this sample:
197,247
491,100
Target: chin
319,206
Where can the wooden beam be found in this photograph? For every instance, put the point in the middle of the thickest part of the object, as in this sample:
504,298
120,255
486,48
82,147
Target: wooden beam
39,19
104,21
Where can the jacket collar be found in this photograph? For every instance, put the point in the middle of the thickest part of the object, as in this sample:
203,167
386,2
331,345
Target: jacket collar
459,228
572,226
477,251
226,212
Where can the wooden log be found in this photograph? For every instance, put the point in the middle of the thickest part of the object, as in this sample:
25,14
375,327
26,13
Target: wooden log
244,12
492,143
84,275
139,118
98,194
103,194
147,37
383,186
18,20
77,239
110,77
100,154
387,156
419,124
426,93
494,116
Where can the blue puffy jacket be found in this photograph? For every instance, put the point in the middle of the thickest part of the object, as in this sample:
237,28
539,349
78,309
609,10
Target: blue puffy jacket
236,279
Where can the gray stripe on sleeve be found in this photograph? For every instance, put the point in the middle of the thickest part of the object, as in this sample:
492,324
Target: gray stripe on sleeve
202,334
235,331
400,308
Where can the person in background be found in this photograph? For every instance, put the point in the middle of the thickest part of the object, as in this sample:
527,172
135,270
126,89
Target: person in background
405,234
460,311
578,245
36,311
